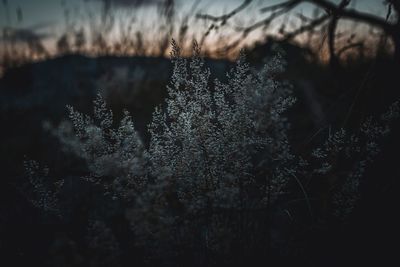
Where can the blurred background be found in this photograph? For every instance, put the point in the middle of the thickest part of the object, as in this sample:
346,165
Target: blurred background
343,59
34,30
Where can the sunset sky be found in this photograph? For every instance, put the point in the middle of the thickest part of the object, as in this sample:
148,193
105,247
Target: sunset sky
52,11
48,19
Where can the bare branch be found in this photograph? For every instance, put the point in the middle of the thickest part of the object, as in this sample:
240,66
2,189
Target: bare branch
267,21
283,5
349,46
353,14
304,28
334,12
335,15
395,4
330,7
225,17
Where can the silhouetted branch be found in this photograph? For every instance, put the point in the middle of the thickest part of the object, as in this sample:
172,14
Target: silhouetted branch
225,17
335,16
349,46
266,22
334,12
285,5
395,4
305,28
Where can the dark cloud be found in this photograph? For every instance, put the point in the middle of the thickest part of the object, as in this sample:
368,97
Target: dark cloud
30,34
165,7
23,36
131,3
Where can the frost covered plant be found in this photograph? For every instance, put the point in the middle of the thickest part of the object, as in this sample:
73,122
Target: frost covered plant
42,193
372,132
210,143
214,146
114,155
346,156
205,141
